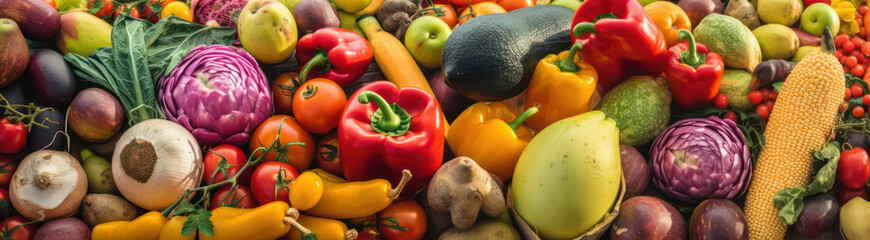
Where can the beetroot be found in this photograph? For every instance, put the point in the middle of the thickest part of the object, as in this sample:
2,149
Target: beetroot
214,13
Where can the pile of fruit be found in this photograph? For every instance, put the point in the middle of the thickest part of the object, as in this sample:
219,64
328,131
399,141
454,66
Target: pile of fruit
434,119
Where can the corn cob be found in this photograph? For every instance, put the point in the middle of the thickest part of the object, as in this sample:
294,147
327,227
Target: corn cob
800,123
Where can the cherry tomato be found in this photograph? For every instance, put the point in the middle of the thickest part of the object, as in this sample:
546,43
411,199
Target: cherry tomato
773,95
842,59
240,198
510,5
848,94
228,155
841,39
5,203
846,70
25,232
178,9
318,104
409,214
865,48
105,11
858,111
13,136
763,110
134,12
721,101
755,97
7,169
449,13
730,116
866,100
765,94
851,61
853,169
862,9
857,90
296,155
858,71
480,9
283,89
848,46
51,3
153,17
271,181
845,194
327,154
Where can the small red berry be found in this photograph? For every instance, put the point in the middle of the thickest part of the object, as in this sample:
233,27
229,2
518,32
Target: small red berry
847,95
858,111
857,90
721,101
866,100
755,97
730,116
848,46
763,110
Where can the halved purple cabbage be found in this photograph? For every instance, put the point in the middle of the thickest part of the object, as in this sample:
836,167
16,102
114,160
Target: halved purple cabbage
701,158
218,93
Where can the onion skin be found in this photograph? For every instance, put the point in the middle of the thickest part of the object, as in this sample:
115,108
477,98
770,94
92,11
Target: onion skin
69,205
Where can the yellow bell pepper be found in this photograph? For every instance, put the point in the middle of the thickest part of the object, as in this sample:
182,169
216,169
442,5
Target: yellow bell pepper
324,229
145,227
172,229
559,91
266,222
340,199
482,132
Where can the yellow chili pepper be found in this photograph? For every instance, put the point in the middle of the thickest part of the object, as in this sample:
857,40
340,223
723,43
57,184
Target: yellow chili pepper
145,227
560,88
269,221
324,229
492,135
172,229
341,199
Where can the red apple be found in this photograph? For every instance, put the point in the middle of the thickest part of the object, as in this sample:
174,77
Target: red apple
810,2
699,9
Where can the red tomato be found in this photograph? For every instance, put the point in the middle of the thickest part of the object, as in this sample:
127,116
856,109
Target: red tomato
848,46
409,214
845,194
765,94
22,233
857,90
853,170
858,71
848,94
866,100
327,154
479,9
134,12
51,3
851,61
7,168
755,97
857,41
773,95
763,110
283,89
862,9
721,101
241,198
731,116
5,207
228,155
12,136
841,39
105,11
510,5
318,104
865,48
296,155
858,111
271,181
449,14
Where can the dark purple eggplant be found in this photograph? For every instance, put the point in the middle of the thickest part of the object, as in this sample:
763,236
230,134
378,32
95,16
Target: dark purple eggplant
718,219
311,15
51,77
37,19
645,217
857,139
820,212
634,169
53,137
14,93
452,103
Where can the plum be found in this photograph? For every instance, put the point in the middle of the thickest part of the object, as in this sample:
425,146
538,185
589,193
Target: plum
95,115
718,219
63,229
645,217
820,212
51,77
311,15
634,169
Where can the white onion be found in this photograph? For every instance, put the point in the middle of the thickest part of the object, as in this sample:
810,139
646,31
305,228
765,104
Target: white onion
48,183
154,162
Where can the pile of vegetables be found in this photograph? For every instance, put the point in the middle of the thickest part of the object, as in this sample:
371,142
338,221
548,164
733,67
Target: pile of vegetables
434,119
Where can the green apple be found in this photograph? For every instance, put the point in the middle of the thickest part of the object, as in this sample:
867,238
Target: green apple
348,21
572,4
425,39
267,31
645,2
804,51
785,12
817,16
290,4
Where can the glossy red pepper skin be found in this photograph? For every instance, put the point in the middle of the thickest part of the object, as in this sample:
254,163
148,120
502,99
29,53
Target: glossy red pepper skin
624,46
693,87
367,154
349,54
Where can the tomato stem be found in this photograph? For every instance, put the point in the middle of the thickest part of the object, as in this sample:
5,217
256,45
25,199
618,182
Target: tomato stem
29,118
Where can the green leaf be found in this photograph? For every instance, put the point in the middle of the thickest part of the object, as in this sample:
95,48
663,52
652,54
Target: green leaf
185,208
199,219
310,236
170,39
790,201
128,51
777,86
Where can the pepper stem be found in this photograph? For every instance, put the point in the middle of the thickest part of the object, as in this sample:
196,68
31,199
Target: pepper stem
318,60
522,118
568,65
389,121
692,57
583,28
395,192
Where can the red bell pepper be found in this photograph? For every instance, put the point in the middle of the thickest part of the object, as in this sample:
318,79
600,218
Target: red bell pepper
694,73
341,55
389,129
619,40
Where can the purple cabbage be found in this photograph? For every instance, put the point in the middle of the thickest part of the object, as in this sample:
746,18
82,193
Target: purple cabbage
701,158
217,13
218,93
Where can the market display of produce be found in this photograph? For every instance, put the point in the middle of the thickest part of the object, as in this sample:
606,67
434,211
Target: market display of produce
434,119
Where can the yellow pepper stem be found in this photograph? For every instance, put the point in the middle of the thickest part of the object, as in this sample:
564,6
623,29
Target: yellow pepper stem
568,65
395,192
291,216
522,118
